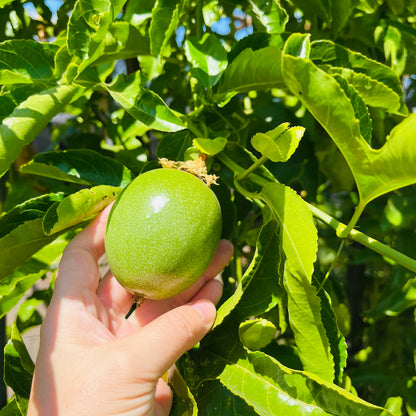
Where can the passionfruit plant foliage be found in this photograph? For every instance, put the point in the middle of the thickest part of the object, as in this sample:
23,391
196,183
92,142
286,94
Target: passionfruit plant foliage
305,111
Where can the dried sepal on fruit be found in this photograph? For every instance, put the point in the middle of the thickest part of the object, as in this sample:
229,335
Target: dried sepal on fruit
197,167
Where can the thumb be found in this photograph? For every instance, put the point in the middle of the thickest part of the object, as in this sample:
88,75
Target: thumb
153,349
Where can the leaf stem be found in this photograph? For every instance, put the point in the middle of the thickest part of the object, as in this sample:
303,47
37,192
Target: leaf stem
193,129
225,120
365,240
339,227
252,168
357,214
233,166
238,170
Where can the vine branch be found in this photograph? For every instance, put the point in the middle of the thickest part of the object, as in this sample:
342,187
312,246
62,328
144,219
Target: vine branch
340,228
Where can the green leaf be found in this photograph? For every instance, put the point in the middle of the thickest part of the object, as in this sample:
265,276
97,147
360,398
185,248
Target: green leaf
292,392
174,145
78,207
251,70
29,119
82,166
210,12
360,109
28,315
340,14
311,339
210,147
165,18
299,235
374,93
207,57
260,288
26,211
192,153
255,334
395,404
336,340
184,403
138,12
215,399
18,369
16,284
143,104
51,254
11,97
299,46
376,171
11,409
320,8
392,166
395,49
4,3
369,6
66,66
278,144
21,232
255,41
399,296
88,25
20,244
263,382
26,61
299,242
271,15
122,41
378,84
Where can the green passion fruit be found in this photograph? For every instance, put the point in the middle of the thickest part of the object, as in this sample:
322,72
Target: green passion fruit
162,233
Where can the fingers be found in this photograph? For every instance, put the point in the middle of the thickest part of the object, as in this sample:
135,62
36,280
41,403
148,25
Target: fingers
163,398
78,269
220,260
212,291
153,349
119,300
91,239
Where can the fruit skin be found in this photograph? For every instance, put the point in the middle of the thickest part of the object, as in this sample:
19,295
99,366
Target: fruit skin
162,233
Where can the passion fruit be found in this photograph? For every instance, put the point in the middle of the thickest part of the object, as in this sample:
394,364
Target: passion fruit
162,233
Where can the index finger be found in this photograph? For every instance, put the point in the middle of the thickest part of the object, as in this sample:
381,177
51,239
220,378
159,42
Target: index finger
78,268
91,239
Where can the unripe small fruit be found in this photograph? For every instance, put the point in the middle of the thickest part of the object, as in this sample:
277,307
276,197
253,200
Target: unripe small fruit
162,233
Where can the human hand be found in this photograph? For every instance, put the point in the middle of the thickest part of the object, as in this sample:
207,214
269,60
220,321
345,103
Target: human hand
92,361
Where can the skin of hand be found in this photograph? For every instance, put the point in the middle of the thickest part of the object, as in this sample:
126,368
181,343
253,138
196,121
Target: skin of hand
91,360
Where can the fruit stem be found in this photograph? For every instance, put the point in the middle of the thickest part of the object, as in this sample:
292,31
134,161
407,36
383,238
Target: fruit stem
137,301
132,309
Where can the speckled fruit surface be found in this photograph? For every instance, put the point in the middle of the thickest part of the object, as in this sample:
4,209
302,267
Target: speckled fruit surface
162,233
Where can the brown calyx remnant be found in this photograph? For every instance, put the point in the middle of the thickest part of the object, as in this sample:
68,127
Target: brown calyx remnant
197,167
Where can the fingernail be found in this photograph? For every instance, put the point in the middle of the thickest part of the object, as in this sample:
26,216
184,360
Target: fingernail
207,310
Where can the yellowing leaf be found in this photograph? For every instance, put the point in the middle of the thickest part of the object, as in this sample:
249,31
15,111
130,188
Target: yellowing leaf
279,144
